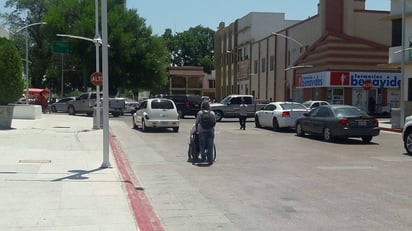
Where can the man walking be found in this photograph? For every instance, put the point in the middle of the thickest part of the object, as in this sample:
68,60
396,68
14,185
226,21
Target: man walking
242,114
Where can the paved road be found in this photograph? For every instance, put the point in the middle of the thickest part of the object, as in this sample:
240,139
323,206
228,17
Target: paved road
266,180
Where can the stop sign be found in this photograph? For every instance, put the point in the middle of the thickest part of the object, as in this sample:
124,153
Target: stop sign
367,85
96,78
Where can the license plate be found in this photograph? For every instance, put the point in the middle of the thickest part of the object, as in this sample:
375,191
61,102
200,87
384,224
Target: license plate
362,123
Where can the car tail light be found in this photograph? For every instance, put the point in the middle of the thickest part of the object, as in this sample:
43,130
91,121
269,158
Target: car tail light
376,122
344,121
285,114
187,105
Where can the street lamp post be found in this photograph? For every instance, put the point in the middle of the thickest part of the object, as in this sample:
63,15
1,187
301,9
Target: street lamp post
27,54
97,41
292,67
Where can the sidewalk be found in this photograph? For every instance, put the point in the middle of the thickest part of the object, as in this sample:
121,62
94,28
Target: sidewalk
50,178
386,125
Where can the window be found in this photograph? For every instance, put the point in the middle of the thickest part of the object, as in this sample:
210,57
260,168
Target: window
247,100
272,63
255,67
263,64
397,32
162,104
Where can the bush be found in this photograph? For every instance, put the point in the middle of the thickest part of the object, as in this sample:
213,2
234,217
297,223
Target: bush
11,69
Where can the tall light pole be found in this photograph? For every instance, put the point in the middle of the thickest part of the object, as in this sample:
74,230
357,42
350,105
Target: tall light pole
293,67
97,41
105,53
27,54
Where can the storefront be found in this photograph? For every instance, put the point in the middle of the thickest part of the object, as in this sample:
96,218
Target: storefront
373,92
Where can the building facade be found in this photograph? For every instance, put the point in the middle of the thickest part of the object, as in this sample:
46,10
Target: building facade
337,55
191,80
233,47
400,55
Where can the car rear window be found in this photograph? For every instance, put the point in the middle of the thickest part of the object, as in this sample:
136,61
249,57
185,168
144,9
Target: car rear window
349,112
194,98
289,106
162,104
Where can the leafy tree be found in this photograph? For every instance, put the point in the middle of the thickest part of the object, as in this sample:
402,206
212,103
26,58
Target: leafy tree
11,81
193,47
137,60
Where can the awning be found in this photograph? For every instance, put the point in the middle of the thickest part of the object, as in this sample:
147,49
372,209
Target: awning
36,91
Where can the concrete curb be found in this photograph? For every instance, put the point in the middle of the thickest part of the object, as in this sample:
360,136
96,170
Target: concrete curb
142,209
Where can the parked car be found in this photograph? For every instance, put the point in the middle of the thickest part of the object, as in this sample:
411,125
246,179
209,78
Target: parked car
86,102
310,104
61,105
330,121
156,113
407,134
278,115
186,104
130,105
230,105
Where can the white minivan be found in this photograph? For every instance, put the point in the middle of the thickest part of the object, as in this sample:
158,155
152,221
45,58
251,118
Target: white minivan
407,134
156,113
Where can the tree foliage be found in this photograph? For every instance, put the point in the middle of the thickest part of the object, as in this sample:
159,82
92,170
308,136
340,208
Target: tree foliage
137,60
11,79
193,47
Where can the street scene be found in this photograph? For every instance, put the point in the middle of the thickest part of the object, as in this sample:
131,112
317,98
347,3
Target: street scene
279,118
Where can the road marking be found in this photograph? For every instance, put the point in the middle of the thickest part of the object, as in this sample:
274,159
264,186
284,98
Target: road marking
347,167
393,158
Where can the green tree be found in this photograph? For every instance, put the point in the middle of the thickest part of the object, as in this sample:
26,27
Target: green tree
193,47
11,79
137,60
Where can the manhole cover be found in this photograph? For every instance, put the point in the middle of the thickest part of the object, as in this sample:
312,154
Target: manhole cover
34,161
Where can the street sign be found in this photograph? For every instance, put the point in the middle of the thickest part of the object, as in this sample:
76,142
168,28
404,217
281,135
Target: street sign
60,47
96,78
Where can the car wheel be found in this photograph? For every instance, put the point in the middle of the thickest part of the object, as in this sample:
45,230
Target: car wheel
275,124
134,123
366,139
176,129
327,135
408,141
54,109
257,123
71,110
219,115
299,130
144,129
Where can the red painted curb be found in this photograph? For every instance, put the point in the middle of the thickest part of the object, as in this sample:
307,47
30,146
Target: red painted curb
143,212
392,129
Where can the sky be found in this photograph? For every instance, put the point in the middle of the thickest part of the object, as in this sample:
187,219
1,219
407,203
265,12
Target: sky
180,15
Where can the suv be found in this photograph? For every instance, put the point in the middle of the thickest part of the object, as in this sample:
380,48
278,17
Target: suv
186,104
407,134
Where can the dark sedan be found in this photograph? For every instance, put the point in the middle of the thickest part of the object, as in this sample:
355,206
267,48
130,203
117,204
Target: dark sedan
344,121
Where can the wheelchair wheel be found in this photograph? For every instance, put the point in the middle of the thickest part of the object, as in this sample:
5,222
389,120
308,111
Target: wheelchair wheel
214,152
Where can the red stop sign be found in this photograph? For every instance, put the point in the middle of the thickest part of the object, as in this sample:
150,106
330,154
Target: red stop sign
96,78
367,85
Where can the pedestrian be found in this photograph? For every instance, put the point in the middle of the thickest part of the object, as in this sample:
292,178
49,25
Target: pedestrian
43,102
242,114
205,124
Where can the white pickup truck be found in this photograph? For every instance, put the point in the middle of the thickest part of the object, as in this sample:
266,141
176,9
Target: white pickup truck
86,102
230,105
